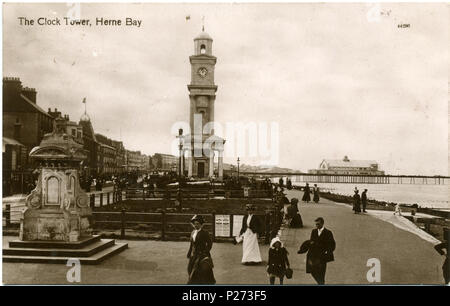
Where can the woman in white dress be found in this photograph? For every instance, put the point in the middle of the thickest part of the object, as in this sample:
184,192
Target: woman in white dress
251,226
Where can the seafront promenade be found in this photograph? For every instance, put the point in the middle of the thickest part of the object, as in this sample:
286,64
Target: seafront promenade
405,257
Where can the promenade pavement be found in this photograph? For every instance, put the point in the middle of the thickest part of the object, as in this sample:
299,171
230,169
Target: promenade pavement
405,258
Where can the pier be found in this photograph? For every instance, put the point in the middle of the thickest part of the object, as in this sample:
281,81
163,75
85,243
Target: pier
300,177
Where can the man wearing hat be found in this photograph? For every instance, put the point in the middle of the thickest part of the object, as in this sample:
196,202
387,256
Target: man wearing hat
364,200
320,248
200,267
251,226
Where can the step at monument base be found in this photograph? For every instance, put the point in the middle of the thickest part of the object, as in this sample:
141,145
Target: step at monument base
93,252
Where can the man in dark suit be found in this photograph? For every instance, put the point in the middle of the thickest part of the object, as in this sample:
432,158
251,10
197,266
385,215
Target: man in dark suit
321,248
364,200
200,262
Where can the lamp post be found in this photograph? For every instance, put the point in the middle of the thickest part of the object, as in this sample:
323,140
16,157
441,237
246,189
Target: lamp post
238,160
180,136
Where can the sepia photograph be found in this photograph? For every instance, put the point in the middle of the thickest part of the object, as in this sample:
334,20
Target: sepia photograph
228,143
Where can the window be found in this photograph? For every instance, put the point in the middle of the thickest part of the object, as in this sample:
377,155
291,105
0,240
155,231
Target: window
13,159
202,49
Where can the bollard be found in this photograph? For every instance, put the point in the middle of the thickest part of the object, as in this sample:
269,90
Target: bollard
122,230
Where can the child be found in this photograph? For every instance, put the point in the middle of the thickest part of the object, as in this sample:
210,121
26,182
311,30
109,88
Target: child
278,261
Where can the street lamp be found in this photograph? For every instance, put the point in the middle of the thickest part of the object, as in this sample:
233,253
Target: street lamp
238,160
180,136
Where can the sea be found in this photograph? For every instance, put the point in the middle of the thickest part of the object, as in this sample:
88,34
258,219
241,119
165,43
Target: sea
424,195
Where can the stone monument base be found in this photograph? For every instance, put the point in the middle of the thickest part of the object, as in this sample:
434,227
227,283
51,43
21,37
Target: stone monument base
55,225
91,250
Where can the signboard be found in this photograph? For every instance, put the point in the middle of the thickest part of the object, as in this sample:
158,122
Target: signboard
223,225
246,191
237,224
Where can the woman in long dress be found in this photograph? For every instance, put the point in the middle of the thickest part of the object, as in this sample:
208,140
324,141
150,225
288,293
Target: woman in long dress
295,219
356,202
316,194
249,235
200,267
307,194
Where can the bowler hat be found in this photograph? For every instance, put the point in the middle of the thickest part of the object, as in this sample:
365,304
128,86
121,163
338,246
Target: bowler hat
304,247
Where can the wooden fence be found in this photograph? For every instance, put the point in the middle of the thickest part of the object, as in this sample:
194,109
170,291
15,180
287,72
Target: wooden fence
177,224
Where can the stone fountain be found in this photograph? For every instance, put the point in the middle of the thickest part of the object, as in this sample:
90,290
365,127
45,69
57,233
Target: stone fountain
57,222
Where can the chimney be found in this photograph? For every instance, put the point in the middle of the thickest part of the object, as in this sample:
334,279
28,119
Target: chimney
17,130
55,114
12,88
30,93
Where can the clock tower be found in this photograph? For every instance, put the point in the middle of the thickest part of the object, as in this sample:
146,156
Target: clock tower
202,96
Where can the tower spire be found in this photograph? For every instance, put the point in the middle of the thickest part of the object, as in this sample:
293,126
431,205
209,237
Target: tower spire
203,23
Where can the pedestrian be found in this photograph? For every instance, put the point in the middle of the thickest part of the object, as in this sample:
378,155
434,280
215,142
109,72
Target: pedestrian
356,202
251,226
320,248
288,184
316,196
278,261
440,249
397,210
307,194
364,200
200,267
294,217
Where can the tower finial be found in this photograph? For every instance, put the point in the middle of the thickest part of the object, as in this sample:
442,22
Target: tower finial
203,23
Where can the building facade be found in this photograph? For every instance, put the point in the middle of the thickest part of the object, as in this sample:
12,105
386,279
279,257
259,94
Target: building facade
70,127
23,120
164,162
120,156
348,167
90,144
107,156
133,161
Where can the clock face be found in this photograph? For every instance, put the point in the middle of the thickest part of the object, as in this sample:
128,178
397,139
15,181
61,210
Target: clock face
202,72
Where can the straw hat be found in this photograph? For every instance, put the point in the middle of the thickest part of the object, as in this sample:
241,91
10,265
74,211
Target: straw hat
198,219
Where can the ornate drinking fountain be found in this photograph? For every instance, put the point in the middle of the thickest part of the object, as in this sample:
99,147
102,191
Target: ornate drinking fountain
57,223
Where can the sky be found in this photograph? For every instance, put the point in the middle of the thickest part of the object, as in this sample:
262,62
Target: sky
337,79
